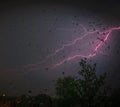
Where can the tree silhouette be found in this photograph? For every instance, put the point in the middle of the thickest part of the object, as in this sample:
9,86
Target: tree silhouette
87,90
66,91
43,100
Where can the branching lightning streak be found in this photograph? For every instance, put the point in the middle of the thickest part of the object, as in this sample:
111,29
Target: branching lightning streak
108,32
71,43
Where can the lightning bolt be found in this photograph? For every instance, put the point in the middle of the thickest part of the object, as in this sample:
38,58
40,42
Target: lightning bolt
106,33
95,50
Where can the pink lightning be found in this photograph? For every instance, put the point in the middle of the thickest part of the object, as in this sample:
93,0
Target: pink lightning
95,50
72,43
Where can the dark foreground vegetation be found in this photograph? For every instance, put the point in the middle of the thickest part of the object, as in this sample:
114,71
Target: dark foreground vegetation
85,90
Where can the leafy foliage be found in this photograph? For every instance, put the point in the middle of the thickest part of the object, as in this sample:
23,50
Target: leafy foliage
87,90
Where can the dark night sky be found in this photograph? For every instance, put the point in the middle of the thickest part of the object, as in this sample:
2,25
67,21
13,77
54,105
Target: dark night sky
31,31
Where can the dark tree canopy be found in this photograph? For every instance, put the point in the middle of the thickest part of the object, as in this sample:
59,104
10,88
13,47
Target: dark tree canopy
87,90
